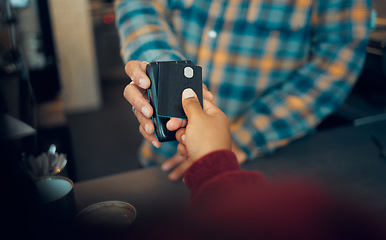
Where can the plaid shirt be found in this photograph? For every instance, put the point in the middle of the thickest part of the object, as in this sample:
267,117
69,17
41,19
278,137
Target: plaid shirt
276,67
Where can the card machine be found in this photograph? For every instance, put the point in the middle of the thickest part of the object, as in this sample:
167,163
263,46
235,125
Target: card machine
168,81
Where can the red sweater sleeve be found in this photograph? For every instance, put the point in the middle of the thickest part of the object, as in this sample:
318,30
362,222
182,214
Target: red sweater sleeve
216,172
230,203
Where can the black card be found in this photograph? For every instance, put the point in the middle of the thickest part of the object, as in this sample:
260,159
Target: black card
174,78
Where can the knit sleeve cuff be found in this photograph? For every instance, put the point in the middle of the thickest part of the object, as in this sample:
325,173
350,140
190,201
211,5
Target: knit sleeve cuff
208,166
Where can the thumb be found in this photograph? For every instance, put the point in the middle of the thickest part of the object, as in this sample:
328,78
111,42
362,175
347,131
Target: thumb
190,103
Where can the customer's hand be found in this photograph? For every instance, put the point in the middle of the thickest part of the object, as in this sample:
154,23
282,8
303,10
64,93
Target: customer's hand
207,129
178,164
136,94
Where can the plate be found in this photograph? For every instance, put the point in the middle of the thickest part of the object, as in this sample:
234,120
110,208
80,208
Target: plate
108,215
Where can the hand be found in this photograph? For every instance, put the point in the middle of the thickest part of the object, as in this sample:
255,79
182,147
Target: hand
178,162
179,165
136,94
176,123
207,129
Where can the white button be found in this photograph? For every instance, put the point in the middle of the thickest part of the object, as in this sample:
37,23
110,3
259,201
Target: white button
212,34
188,72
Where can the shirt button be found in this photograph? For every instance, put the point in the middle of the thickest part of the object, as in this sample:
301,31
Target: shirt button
212,34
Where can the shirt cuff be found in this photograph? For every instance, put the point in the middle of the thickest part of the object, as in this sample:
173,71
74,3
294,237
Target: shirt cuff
208,166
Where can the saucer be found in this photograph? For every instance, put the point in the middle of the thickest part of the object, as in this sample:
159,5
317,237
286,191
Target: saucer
106,215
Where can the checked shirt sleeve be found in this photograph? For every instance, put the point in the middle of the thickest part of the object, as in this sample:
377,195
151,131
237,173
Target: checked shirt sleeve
145,32
340,37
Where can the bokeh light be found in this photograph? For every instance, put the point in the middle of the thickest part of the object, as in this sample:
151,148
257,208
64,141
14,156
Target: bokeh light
108,18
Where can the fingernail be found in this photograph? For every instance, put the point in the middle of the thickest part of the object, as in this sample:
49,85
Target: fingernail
142,83
183,138
155,144
165,167
145,111
172,177
148,129
187,93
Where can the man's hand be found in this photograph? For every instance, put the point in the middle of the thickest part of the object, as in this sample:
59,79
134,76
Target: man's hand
136,94
179,165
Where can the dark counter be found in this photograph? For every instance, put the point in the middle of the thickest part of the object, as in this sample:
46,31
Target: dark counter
346,160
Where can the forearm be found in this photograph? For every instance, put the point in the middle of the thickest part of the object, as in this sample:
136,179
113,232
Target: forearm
316,89
145,33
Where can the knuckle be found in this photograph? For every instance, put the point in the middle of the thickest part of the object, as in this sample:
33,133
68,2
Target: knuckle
141,130
136,73
132,68
128,67
129,91
140,119
136,102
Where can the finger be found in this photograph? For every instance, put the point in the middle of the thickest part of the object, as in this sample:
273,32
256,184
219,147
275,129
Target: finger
209,107
175,123
180,135
190,103
206,94
179,171
136,71
147,123
150,138
135,96
184,123
172,162
182,150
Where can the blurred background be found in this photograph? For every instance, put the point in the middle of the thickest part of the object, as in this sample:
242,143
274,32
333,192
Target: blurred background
62,81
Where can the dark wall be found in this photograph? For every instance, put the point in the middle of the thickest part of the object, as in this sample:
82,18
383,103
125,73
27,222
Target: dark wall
380,7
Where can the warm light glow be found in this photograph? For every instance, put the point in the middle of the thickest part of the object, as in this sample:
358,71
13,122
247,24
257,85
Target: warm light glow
108,18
